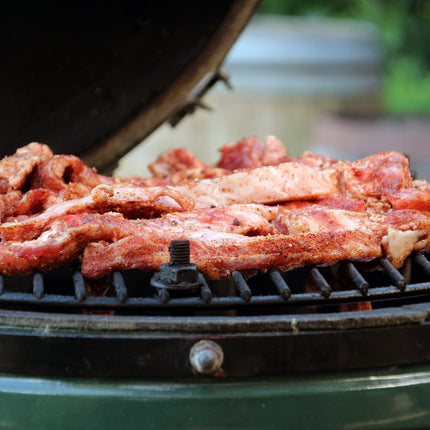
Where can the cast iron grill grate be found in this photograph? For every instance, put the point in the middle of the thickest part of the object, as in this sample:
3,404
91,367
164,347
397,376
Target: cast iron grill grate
60,324
304,290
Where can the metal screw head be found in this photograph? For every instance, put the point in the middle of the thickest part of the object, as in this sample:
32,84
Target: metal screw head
206,357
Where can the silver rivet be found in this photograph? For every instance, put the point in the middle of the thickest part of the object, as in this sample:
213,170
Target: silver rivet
206,357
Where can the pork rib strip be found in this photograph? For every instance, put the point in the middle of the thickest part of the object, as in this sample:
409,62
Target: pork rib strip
217,254
63,242
283,239
15,169
268,184
102,199
115,242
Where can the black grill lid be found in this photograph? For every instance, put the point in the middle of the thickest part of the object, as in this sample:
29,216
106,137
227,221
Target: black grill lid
94,78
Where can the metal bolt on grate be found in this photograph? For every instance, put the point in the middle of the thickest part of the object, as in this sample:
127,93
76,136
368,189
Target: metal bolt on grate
178,273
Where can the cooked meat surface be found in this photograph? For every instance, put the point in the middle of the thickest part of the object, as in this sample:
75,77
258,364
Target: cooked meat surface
376,176
257,208
15,169
173,161
135,202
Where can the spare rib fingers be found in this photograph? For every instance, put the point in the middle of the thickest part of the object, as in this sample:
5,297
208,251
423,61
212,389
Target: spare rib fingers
130,201
268,184
417,197
218,254
68,176
30,203
375,176
145,244
63,242
15,169
311,237
174,160
262,239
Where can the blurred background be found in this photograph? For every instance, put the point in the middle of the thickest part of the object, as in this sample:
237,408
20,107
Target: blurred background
341,78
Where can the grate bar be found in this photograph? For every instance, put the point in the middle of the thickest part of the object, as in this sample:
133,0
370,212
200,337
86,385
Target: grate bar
120,287
357,278
163,295
422,262
242,286
38,285
205,291
79,286
136,302
393,273
280,284
321,283
240,294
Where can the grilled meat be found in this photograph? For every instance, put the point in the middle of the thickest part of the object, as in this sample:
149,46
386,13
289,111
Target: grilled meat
258,208
174,160
14,170
221,240
135,202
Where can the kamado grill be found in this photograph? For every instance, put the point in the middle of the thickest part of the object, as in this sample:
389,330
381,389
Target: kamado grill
269,318
340,346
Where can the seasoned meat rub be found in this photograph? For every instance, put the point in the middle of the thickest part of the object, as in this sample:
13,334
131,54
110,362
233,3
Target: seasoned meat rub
258,208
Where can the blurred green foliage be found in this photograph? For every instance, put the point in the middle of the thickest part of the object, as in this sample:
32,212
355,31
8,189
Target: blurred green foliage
404,27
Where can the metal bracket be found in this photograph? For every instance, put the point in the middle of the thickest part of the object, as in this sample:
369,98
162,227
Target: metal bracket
195,100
